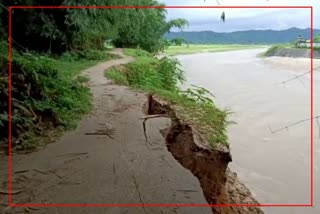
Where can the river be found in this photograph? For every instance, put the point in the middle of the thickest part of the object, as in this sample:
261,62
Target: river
275,166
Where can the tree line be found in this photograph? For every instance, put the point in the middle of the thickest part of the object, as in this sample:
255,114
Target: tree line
61,30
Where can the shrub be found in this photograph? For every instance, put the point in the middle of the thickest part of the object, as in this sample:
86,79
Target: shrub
272,49
150,73
43,97
94,55
137,52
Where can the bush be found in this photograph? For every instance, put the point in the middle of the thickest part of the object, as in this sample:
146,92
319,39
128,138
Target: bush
91,55
150,73
94,55
137,52
43,97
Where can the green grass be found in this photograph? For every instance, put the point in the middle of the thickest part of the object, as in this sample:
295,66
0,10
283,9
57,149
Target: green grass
82,79
72,64
48,94
75,98
73,68
117,77
184,49
203,114
161,76
136,53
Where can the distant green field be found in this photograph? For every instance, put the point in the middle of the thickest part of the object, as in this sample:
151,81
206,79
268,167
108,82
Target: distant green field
184,49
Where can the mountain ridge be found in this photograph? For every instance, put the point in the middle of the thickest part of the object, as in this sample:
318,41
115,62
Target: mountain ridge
243,37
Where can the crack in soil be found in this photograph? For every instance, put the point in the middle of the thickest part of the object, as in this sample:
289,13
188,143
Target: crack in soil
209,165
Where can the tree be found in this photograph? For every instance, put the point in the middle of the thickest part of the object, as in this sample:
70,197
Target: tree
178,41
317,38
146,27
59,30
177,23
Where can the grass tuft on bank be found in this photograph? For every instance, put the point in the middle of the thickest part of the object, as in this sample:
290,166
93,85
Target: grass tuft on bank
161,76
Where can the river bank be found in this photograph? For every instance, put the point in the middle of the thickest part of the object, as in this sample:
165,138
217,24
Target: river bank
292,52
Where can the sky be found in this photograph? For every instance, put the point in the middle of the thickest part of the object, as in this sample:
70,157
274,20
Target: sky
245,19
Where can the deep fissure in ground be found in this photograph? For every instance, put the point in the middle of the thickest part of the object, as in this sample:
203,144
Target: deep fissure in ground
209,165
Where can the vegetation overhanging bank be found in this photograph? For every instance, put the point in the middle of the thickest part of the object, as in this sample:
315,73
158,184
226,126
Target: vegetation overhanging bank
161,76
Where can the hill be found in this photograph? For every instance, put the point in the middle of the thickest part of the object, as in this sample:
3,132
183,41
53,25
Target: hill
243,37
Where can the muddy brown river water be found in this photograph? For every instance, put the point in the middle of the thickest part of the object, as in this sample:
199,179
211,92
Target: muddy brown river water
275,166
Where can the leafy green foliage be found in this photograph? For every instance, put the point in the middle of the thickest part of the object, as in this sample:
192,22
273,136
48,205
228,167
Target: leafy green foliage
60,30
178,41
90,55
161,76
152,73
45,95
198,95
177,23
136,52
82,79
199,110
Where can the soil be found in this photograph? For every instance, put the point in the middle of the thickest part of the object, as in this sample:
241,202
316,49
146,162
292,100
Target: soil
115,157
208,163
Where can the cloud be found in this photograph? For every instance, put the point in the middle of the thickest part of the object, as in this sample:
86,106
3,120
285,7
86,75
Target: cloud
245,19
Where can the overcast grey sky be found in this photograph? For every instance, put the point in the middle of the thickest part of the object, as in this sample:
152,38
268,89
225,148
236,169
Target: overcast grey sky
245,19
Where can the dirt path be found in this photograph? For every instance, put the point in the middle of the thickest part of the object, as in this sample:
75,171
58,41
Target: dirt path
124,169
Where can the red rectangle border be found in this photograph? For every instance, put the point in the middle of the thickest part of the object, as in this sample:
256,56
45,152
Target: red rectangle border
155,205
